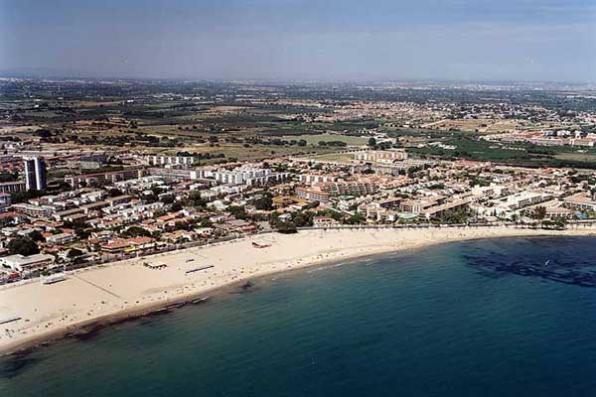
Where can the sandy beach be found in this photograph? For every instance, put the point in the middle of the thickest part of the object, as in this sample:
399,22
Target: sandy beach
110,293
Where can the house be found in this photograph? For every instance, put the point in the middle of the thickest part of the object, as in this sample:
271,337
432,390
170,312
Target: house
61,238
178,236
204,232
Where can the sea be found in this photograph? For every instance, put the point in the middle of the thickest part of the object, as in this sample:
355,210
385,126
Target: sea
499,317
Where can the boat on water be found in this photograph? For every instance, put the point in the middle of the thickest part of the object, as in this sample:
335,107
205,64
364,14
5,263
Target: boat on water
54,278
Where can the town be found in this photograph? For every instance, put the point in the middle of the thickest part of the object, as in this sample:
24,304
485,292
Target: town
77,193
297,198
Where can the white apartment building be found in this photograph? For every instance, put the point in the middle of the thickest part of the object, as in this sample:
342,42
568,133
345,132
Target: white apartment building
382,156
248,176
171,160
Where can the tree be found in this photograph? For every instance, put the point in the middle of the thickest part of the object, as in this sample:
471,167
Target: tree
136,231
265,202
176,206
194,199
36,236
539,212
372,142
19,197
167,199
23,246
356,219
81,233
114,192
74,253
237,211
287,228
156,190
302,219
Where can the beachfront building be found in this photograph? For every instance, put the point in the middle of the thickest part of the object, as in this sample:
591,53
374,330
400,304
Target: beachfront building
130,245
524,199
21,263
437,211
581,202
324,222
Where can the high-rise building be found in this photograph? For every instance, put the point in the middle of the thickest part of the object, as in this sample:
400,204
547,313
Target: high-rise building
35,173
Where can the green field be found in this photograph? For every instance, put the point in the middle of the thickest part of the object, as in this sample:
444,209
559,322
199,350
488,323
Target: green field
315,139
338,157
254,152
581,157
470,147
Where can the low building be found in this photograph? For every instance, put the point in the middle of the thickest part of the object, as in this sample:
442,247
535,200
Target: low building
580,202
129,245
113,201
312,194
324,221
21,263
103,177
437,211
35,211
61,238
12,187
349,188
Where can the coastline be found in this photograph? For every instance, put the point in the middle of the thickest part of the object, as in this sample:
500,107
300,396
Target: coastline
99,296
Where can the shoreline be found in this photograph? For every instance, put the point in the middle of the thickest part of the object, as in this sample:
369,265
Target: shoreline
61,317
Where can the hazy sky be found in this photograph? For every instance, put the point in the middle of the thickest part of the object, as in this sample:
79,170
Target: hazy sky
552,40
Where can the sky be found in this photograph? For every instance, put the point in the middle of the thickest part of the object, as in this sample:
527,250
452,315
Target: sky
303,40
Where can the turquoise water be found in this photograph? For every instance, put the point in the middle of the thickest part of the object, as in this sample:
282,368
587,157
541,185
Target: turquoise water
465,319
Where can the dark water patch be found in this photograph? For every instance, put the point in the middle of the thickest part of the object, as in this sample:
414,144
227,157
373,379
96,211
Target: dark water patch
15,364
537,258
245,288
